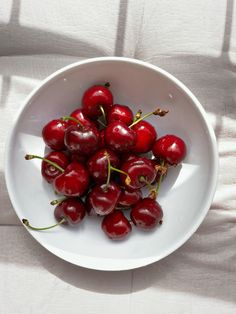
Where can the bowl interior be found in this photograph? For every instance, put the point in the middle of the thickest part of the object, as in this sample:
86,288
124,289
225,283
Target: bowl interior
185,194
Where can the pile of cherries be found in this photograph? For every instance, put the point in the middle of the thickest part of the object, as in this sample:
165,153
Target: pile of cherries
102,156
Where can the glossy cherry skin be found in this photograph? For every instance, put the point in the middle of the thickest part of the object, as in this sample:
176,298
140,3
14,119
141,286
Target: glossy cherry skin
74,181
116,226
103,199
146,214
72,209
53,134
136,169
98,164
93,98
127,157
129,198
146,136
170,148
119,137
48,171
79,115
102,142
120,113
82,139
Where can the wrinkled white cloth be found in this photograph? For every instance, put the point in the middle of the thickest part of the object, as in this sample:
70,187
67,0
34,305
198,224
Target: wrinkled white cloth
194,40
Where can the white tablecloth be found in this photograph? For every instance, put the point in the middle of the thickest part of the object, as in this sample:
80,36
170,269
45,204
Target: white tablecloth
194,40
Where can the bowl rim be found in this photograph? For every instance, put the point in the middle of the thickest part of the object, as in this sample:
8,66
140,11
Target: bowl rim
109,264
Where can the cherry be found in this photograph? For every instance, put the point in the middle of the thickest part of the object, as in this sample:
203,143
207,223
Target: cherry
102,199
146,136
49,171
98,164
79,116
97,100
70,211
129,198
116,226
53,134
127,157
78,158
120,113
74,181
140,171
102,142
120,137
171,148
146,214
82,139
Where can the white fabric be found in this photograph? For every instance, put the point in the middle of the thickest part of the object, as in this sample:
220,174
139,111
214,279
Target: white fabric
194,40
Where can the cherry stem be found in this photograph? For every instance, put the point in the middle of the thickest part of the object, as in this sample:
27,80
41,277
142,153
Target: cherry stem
102,124
103,114
160,179
143,179
59,201
107,84
108,169
72,119
158,112
138,115
29,157
27,224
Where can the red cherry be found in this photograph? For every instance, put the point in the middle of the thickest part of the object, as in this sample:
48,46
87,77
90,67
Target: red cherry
53,134
140,171
79,116
119,137
49,172
102,142
103,198
171,148
120,113
78,158
82,139
74,181
146,136
98,164
146,214
127,157
129,198
116,226
72,209
94,98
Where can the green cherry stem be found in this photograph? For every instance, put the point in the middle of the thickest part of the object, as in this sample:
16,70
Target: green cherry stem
143,179
72,119
29,157
58,201
158,112
102,124
160,179
27,224
111,168
103,114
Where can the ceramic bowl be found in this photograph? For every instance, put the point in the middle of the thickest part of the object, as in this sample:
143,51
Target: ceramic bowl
185,195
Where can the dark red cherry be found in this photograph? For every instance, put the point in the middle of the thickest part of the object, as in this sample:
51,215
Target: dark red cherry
49,172
170,148
72,209
74,181
78,158
146,136
116,226
82,139
120,113
129,198
102,142
146,214
103,198
128,156
119,137
53,134
94,98
79,116
140,171
98,164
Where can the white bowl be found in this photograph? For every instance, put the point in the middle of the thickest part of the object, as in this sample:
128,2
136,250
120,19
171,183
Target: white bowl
185,195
